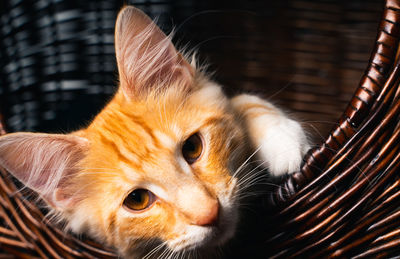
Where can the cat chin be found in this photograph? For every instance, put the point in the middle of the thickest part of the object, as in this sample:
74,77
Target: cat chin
200,238
207,237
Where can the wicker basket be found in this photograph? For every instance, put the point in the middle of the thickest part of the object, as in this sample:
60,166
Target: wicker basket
344,201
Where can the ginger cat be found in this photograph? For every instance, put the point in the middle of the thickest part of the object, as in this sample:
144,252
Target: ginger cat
160,170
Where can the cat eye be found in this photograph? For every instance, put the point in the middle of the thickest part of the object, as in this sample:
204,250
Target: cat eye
192,148
139,199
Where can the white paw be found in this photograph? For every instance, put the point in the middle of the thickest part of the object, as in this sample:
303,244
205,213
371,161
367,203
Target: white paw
282,145
281,142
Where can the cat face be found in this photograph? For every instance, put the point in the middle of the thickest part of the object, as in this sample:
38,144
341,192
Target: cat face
181,148
155,169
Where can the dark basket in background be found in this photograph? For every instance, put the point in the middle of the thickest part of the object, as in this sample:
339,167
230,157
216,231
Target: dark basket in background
58,64
58,70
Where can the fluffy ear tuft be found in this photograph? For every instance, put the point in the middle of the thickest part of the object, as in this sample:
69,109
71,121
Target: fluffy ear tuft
146,57
43,162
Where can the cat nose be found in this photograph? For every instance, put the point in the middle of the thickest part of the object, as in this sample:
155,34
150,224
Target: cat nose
209,218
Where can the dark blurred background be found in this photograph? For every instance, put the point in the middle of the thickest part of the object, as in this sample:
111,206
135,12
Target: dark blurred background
58,66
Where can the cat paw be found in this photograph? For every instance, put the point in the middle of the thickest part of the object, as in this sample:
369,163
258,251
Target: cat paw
282,146
280,141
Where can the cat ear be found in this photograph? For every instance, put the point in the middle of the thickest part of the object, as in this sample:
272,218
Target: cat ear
43,162
146,57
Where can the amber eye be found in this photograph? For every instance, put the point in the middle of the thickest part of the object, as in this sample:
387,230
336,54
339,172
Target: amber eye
192,148
139,199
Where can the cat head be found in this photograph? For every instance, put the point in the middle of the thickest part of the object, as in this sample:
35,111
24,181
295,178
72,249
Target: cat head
155,167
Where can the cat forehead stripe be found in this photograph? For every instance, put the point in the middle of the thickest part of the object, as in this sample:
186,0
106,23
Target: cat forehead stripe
166,140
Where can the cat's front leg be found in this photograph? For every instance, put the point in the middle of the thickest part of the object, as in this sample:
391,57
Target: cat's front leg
281,141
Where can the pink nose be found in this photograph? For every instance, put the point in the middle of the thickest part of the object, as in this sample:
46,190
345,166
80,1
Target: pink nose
210,217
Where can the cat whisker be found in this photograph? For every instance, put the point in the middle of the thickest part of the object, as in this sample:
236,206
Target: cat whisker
193,254
250,181
219,252
250,184
250,174
173,255
246,194
287,85
244,163
165,252
315,130
154,250
252,192
270,184
239,184
259,164
181,254
169,254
